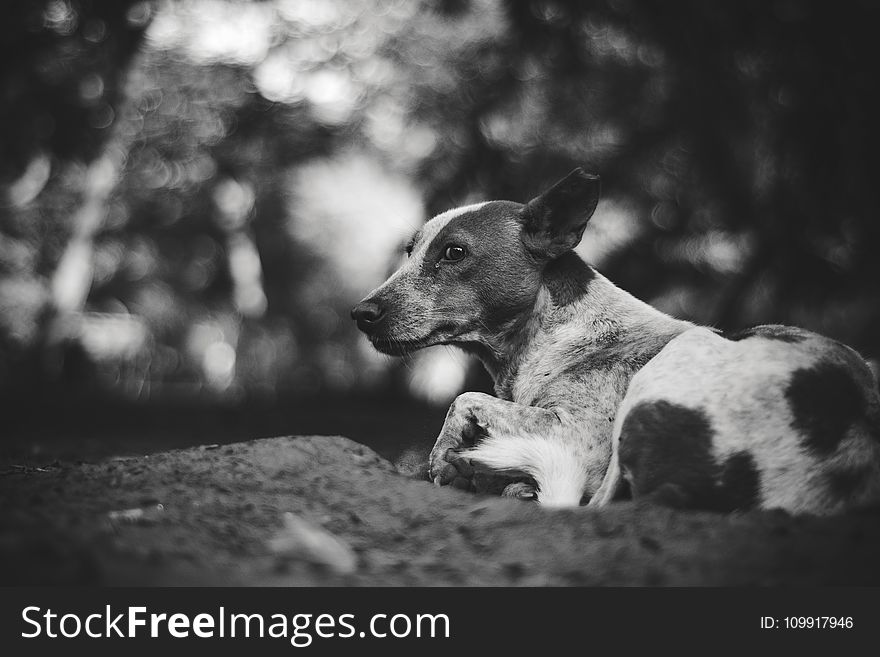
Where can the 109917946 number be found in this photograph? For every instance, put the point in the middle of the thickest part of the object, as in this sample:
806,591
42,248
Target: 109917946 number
817,622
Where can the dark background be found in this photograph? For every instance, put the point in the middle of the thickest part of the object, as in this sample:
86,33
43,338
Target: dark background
193,194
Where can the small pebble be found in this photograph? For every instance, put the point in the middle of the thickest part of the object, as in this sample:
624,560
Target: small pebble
301,539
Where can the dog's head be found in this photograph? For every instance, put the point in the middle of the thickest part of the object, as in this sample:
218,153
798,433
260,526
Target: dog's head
473,273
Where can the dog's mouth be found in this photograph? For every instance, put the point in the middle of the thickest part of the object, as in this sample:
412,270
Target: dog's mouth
401,347
394,347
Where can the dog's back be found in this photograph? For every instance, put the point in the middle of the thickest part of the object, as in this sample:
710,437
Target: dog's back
775,417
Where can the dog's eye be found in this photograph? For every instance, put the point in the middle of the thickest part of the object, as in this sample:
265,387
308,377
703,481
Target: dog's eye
454,252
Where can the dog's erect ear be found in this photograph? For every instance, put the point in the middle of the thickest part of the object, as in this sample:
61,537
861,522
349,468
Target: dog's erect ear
554,222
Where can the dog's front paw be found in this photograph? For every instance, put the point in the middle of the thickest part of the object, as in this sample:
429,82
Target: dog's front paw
460,430
445,464
449,469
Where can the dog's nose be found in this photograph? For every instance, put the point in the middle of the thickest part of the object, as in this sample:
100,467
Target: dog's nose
367,314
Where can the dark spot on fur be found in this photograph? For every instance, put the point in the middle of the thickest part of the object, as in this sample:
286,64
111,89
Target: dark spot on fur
845,483
740,480
624,351
667,449
480,227
789,334
825,401
568,278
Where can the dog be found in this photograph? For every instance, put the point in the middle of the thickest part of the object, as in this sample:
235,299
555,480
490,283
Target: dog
597,392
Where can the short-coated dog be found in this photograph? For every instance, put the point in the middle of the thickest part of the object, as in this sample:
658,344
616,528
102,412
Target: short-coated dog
598,392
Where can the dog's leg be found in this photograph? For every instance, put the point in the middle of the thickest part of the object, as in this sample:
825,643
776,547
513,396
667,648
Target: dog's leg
473,415
611,481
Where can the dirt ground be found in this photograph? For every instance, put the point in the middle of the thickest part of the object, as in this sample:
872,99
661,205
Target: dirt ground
215,515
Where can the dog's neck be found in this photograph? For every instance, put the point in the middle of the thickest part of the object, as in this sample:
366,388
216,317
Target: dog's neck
577,310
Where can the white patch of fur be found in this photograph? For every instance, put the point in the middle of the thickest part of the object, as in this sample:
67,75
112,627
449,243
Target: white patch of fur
557,469
444,217
433,227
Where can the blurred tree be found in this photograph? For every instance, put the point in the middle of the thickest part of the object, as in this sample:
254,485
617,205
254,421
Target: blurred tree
200,165
62,65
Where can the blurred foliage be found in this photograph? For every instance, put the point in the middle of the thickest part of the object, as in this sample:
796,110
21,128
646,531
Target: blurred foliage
192,194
